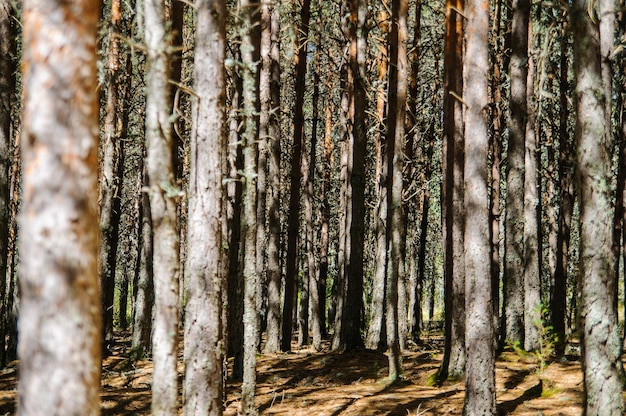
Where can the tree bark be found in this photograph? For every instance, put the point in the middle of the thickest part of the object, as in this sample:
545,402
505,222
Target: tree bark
532,222
293,220
203,341
453,362
7,92
110,178
514,221
59,324
602,366
376,334
480,388
144,272
163,194
274,195
249,136
395,156
558,295
353,306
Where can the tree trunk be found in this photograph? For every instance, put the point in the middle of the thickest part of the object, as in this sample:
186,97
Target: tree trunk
309,203
453,362
558,295
293,220
514,220
249,136
110,178
602,366
163,200
395,157
273,204
325,218
203,341
376,335
417,264
480,388
265,108
59,325
495,152
353,303
144,272
532,222
233,215
7,91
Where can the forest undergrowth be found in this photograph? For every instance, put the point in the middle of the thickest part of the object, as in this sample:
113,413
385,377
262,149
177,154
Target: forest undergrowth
306,383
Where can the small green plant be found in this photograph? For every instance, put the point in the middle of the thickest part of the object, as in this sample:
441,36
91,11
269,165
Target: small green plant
547,339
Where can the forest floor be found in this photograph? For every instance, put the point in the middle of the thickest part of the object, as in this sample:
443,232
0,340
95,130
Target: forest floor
308,383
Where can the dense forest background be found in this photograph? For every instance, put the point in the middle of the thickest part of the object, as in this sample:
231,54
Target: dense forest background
274,174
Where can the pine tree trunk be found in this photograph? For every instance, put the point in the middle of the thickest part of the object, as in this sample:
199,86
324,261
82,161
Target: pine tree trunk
233,219
59,325
203,341
265,107
249,136
309,207
558,295
376,335
532,221
7,91
110,180
144,275
514,221
602,366
163,196
395,156
480,388
453,362
495,154
273,203
293,220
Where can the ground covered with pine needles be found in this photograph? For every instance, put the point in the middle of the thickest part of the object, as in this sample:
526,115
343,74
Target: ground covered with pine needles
306,383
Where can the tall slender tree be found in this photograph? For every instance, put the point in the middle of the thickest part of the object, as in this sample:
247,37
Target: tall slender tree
558,294
349,334
376,335
273,193
480,389
7,90
395,151
163,194
293,220
204,329
532,220
250,38
602,347
453,362
513,316
110,179
59,325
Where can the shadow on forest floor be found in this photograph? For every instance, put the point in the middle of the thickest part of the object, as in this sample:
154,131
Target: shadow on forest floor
307,383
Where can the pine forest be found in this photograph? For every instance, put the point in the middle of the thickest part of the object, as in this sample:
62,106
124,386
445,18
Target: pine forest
335,208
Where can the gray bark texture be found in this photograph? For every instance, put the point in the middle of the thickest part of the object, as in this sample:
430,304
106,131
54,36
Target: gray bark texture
532,226
144,288
602,347
480,388
249,137
395,151
109,180
204,342
7,91
163,200
514,221
60,318
273,193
